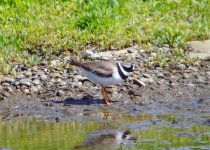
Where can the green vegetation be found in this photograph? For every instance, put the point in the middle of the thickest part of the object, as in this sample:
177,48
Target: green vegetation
48,27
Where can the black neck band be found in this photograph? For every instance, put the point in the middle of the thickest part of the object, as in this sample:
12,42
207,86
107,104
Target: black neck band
120,72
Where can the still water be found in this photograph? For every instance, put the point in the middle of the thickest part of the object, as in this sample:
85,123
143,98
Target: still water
151,132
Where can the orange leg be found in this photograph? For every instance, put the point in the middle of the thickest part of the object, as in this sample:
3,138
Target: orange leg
107,95
106,98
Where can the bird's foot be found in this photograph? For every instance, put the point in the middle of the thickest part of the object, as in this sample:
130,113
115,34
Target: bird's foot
107,101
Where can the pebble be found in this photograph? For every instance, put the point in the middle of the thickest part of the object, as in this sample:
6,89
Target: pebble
35,88
181,66
43,77
139,82
44,63
130,50
208,73
9,89
20,76
63,83
190,85
146,75
153,54
60,93
7,80
54,63
25,81
28,73
36,81
186,75
147,80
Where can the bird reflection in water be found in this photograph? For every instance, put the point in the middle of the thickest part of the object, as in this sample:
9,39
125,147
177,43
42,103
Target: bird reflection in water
108,140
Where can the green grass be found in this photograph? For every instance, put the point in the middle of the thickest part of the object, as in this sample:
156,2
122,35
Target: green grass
48,27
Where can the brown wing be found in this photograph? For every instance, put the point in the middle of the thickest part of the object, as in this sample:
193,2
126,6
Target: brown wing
102,68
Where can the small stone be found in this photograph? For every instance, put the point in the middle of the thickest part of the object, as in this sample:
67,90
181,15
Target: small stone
36,81
40,73
63,83
142,51
190,85
160,75
20,76
7,94
43,77
181,66
34,68
139,82
9,89
54,63
23,87
146,75
174,84
60,93
7,80
26,91
186,76
147,80
130,50
6,84
208,73
28,73
25,81
35,88
153,54
44,63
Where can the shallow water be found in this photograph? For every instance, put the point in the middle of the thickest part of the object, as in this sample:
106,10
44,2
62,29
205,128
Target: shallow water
152,131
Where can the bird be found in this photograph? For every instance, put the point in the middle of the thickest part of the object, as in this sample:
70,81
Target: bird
104,73
107,139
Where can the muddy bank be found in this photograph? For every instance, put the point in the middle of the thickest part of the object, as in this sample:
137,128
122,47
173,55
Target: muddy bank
53,93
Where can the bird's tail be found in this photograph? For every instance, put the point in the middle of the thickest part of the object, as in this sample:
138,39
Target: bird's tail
74,62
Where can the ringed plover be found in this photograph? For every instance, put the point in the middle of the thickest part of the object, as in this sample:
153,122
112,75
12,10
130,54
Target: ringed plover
104,73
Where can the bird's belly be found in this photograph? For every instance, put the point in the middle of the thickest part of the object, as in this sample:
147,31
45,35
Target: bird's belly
103,81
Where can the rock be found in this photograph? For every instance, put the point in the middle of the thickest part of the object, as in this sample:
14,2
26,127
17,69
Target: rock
36,82
36,88
130,50
20,76
174,84
208,73
6,84
142,51
201,79
23,88
40,73
181,66
28,73
34,68
63,83
7,80
9,89
139,82
153,54
146,75
186,75
60,93
190,85
54,63
43,77
147,80
25,81
6,94
44,63
199,49
160,75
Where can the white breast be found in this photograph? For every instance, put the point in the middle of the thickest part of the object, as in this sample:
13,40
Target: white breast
103,81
